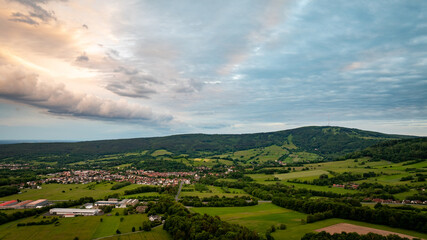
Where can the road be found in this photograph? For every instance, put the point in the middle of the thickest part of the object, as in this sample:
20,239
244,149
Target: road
179,190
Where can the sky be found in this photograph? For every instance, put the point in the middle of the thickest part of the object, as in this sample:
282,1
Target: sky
103,69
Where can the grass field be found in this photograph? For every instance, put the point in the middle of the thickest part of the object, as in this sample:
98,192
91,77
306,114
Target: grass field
155,234
259,218
71,191
81,227
214,191
303,175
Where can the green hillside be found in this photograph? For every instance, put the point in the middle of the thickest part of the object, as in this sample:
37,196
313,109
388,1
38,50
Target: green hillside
327,142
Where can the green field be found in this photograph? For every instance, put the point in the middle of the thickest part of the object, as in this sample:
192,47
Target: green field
81,227
302,175
155,234
214,191
259,218
71,191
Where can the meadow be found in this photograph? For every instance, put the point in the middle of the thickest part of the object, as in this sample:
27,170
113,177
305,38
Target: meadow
156,233
213,191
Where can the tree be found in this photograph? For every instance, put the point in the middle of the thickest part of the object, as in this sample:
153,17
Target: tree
133,229
118,231
273,228
146,225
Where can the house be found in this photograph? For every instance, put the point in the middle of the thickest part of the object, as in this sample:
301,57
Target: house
141,209
154,218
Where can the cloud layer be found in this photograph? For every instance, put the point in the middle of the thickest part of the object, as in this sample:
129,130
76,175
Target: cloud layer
218,66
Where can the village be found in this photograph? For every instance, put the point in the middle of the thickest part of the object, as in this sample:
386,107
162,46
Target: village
133,176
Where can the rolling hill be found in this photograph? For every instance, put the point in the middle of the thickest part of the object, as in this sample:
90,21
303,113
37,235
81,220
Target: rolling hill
328,142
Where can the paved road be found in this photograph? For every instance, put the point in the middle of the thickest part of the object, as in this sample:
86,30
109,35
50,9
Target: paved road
179,190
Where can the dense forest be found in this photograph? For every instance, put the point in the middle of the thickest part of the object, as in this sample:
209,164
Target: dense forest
395,150
326,141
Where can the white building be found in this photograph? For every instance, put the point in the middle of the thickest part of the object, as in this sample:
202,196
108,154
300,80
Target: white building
71,212
106,203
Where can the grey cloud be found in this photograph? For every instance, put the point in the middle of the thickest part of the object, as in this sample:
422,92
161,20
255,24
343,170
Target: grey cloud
85,26
135,87
36,12
82,58
126,71
20,86
190,86
19,17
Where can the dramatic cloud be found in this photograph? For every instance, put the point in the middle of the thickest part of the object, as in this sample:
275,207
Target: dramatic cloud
20,86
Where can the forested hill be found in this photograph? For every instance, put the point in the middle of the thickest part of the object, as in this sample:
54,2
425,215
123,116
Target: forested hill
326,141
395,150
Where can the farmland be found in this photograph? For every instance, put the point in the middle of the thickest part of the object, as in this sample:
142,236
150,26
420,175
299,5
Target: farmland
261,217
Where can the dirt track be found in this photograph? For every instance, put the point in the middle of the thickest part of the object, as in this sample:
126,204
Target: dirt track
346,227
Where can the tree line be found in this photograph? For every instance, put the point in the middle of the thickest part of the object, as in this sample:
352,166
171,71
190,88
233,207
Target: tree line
216,201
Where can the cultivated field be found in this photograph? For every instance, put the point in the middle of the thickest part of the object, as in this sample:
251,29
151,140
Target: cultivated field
348,228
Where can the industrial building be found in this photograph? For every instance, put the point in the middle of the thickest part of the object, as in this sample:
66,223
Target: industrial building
127,202
38,203
106,203
71,212
22,204
8,204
